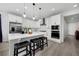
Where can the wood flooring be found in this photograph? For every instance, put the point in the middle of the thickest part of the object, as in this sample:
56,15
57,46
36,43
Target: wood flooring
70,47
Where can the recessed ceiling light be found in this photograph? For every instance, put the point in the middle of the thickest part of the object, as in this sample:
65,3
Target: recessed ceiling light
17,10
75,5
53,9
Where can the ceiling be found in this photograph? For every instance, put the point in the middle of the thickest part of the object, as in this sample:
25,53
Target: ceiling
72,18
46,9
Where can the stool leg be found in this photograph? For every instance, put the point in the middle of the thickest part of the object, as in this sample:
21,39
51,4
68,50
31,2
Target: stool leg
33,49
30,49
46,41
42,44
26,49
38,45
15,52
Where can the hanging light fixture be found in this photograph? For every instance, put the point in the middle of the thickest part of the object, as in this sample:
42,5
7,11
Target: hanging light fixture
33,17
33,10
34,4
24,14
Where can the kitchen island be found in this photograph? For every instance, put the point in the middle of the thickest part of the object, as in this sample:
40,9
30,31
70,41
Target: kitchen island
16,38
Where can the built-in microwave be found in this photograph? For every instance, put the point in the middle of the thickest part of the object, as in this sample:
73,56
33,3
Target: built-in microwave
15,27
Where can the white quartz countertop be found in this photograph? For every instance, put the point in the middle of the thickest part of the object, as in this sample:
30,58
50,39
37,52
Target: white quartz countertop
18,35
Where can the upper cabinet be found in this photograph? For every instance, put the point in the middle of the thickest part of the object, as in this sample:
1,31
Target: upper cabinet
13,18
54,20
30,23
18,19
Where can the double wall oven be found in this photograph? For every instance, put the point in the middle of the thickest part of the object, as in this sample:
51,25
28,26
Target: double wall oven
55,33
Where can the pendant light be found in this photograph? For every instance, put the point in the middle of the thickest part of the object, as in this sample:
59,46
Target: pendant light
33,11
24,14
33,17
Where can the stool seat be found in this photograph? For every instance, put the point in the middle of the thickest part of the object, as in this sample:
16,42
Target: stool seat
34,40
21,44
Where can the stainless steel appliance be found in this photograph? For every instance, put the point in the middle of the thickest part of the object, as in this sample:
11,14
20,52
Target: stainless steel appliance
15,27
55,33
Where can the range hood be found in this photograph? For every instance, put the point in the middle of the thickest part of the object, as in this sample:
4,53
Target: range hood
43,22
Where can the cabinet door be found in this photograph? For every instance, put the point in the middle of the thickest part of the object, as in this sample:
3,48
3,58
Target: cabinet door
11,18
37,24
55,20
18,19
34,24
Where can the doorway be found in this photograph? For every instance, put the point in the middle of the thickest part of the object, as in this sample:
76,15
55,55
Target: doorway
71,25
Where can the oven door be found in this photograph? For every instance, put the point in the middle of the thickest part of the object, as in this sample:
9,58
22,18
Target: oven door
55,34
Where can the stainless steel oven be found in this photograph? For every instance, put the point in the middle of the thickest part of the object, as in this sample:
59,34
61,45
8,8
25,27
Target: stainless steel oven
55,34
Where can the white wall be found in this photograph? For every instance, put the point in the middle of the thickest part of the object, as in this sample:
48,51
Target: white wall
65,28
72,28
5,26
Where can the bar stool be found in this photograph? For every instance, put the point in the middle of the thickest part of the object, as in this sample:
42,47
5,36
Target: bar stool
21,45
35,45
44,41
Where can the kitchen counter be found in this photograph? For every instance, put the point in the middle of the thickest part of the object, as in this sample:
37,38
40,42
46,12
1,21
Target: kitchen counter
18,35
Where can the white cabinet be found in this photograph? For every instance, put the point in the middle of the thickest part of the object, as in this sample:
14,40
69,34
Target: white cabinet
55,20
34,24
30,23
13,18
18,19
